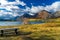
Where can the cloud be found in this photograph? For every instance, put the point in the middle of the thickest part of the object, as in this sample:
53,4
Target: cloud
20,2
16,2
56,6
35,9
10,8
51,8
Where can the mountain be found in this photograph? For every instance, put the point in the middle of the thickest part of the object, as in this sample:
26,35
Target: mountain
29,16
57,14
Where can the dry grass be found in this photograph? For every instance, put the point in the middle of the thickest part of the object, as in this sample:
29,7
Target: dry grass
44,31
49,30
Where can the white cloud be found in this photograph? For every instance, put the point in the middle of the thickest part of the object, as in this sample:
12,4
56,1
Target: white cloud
2,13
20,2
35,9
27,8
53,7
9,6
16,11
16,2
56,6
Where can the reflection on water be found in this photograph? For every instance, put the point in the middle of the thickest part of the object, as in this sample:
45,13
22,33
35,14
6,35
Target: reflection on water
36,22
6,23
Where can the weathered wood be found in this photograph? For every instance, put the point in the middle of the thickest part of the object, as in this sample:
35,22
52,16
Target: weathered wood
8,31
8,28
16,31
2,32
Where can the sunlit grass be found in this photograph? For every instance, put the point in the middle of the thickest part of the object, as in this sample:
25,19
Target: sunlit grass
45,31
34,19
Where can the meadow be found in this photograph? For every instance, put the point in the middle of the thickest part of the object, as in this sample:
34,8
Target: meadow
50,30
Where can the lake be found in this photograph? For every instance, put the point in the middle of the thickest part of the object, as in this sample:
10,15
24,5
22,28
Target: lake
7,23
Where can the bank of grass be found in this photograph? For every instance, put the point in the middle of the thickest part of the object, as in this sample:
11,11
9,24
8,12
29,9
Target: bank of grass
44,31
55,20
34,19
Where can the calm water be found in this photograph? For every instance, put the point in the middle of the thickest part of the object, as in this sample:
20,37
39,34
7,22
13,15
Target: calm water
5,23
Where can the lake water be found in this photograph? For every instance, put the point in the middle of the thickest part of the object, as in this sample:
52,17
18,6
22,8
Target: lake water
5,23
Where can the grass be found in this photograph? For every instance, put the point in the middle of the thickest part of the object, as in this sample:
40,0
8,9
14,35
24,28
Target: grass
45,31
33,19
56,20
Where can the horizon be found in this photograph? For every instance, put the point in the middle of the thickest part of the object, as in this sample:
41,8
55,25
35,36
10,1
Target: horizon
9,9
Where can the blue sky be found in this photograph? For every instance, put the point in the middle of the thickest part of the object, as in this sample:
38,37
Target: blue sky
12,8
39,2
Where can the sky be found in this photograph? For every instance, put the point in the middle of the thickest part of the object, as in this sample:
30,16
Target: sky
10,9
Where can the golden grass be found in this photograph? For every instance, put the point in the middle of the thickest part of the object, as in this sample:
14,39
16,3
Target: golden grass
49,30
34,19
45,31
39,27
